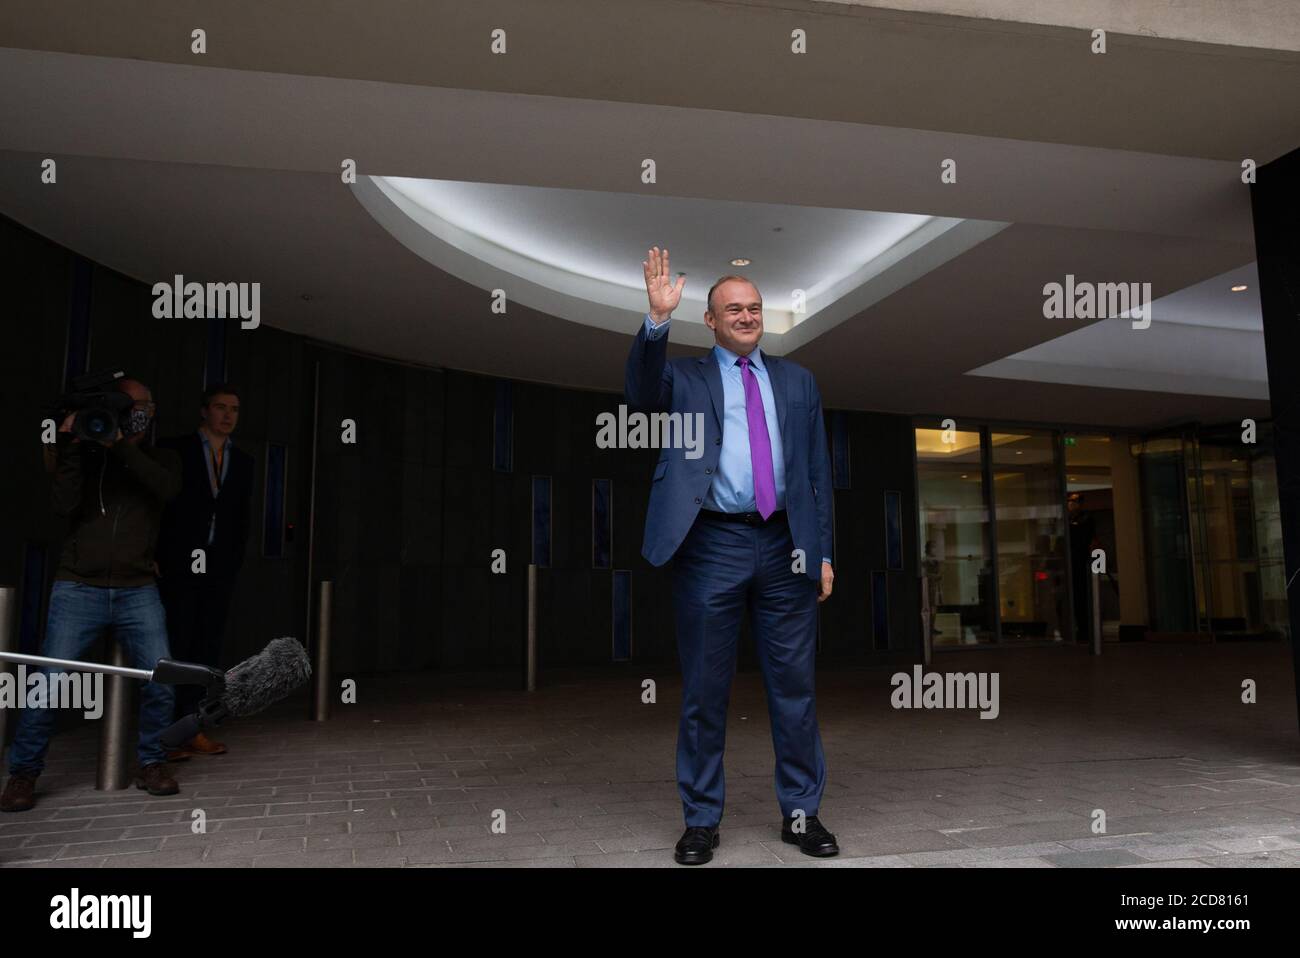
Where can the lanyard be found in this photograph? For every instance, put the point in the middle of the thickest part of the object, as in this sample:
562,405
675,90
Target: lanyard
216,470
216,467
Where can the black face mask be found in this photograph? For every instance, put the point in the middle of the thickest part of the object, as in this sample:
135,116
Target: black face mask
136,421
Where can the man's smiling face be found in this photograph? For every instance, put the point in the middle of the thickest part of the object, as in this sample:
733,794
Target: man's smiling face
735,315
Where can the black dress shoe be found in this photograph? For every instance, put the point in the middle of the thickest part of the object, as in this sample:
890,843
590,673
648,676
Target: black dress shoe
815,839
696,845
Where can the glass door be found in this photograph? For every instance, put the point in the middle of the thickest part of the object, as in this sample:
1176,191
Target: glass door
1234,541
1033,586
954,536
1166,520
1090,513
1274,616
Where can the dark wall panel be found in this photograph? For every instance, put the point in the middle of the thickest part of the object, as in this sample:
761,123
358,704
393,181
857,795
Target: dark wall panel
37,283
267,367
881,451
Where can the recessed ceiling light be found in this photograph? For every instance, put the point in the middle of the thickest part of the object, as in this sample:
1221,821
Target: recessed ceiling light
1239,288
740,261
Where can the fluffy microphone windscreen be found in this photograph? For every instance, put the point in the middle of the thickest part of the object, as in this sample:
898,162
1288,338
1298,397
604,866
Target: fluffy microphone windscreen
267,677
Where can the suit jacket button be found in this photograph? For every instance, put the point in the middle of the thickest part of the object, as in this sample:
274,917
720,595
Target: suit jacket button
697,500
717,442
708,472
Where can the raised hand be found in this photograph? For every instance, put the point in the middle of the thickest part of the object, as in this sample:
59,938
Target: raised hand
664,295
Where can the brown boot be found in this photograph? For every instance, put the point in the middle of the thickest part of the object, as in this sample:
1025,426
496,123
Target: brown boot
202,745
155,778
19,794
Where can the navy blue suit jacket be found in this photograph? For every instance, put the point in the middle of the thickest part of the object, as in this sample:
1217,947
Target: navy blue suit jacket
186,520
655,383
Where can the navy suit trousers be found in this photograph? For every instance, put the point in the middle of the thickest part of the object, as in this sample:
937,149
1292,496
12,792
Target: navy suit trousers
721,570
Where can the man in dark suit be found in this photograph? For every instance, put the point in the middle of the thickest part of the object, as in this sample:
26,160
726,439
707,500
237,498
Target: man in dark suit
201,545
747,525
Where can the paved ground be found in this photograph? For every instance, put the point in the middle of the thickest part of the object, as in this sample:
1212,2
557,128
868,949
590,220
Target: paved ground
1156,736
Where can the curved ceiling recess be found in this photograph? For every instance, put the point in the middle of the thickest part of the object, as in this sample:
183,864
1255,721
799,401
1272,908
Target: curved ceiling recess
576,254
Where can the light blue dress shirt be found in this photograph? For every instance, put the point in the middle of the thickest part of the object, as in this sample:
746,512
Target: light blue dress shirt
732,489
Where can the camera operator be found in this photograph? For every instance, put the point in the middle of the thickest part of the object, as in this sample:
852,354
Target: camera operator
113,490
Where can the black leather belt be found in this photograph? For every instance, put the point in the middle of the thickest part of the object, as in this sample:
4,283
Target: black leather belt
748,518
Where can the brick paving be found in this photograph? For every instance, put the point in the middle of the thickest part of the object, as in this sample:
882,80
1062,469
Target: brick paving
1155,736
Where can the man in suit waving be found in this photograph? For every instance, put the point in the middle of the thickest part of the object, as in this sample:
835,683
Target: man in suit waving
747,525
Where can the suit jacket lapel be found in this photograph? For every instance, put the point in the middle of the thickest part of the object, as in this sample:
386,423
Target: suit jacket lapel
776,372
713,377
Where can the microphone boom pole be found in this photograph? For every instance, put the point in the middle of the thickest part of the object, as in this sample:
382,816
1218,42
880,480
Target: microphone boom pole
246,689
167,671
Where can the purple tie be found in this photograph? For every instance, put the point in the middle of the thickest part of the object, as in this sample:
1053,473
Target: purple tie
760,444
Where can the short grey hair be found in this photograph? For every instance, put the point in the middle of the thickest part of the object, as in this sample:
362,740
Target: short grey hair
727,279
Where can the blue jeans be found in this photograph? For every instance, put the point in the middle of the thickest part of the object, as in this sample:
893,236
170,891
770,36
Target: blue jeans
78,614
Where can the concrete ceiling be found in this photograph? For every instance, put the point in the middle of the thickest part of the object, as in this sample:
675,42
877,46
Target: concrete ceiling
1205,339
1269,24
227,168
990,77
578,253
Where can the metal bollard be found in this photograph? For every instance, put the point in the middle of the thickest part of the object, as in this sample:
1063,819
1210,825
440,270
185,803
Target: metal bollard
321,667
530,679
927,639
8,643
114,727
1096,613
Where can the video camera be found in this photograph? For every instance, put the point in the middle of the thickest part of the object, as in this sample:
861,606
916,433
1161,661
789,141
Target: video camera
98,403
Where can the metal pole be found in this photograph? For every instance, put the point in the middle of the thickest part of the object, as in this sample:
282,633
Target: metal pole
991,530
531,678
8,642
114,729
143,674
1095,589
321,668
311,503
927,640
